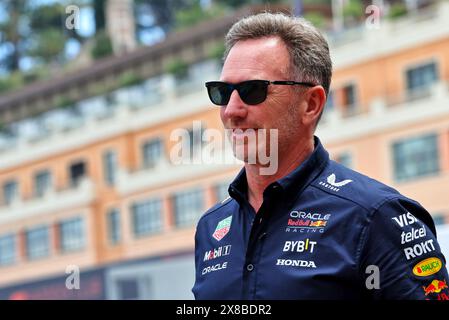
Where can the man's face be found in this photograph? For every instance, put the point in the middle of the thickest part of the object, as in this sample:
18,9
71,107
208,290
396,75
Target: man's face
264,59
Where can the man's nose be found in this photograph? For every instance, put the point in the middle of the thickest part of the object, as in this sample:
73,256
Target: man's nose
235,108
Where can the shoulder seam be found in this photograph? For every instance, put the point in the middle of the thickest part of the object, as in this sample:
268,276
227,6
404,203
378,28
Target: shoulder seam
341,197
222,204
363,232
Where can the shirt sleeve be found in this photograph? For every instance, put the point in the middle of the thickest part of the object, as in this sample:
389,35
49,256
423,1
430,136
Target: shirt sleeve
400,257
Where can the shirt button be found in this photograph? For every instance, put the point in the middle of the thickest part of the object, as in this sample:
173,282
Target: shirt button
250,267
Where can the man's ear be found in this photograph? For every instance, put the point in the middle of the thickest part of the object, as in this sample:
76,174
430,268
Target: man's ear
315,99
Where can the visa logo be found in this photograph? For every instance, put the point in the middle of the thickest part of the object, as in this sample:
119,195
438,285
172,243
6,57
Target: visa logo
405,219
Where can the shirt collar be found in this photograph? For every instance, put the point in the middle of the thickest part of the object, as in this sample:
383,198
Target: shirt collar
293,183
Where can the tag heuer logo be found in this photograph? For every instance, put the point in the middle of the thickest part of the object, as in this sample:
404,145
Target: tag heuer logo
222,228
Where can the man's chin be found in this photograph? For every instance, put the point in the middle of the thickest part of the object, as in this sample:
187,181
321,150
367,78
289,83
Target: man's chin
242,153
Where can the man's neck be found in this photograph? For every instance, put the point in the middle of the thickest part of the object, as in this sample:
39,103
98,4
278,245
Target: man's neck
286,164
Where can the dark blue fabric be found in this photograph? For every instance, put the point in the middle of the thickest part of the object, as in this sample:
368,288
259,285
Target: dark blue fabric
322,232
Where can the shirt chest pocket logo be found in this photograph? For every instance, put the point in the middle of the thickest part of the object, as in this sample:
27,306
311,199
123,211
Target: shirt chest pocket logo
222,228
300,246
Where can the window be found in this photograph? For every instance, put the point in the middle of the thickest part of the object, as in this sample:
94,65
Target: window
421,77
188,207
7,249
77,173
415,157
345,159
110,166
438,219
349,99
152,153
128,289
71,233
10,191
330,103
146,217
42,183
221,191
192,145
114,229
37,242
132,285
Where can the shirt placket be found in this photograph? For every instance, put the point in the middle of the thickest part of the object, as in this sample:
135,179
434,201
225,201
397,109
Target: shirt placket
257,238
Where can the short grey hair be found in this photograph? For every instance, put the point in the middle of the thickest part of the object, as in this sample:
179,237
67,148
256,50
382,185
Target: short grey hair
309,52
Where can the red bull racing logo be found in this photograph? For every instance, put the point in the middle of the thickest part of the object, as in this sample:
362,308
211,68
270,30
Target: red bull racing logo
304,222
435,287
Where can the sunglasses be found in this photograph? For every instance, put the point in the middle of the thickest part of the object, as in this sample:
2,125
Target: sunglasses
251,92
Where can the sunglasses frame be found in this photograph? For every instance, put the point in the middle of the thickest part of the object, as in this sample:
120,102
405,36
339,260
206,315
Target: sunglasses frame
239,85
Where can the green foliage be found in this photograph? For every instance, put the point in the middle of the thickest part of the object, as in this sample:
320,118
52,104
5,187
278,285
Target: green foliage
327,2
64,102
217,51
129,78
397,10
11,34
353,10
196,13
316,18
35,75
99,12
240,3
177,67
11,82
102,46
47,16
48,44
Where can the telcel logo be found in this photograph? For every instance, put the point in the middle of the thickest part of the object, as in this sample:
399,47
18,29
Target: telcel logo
427,267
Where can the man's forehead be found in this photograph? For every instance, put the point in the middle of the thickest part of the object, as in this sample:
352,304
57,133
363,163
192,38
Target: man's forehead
255,58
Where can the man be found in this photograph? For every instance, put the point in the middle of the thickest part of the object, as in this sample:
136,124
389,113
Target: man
314,229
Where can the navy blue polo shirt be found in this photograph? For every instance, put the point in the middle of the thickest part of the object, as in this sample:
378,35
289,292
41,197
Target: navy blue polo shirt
323,232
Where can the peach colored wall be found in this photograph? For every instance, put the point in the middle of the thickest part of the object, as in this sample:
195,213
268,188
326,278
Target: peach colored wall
385,76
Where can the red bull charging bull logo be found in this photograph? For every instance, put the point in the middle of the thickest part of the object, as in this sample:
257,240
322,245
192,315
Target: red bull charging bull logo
435,287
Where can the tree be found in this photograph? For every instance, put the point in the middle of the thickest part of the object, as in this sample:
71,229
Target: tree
48,37
239,3
102,46
12,33
158,13
100,19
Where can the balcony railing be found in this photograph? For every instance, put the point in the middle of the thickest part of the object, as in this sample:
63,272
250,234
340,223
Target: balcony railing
166,172
51,201
386,112
151,93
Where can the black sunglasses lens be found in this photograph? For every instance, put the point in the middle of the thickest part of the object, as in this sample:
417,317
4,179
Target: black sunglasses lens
253,92
219,93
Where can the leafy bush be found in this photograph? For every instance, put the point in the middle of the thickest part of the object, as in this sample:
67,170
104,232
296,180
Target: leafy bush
217,51
102,46
129,78
397,10
177,67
